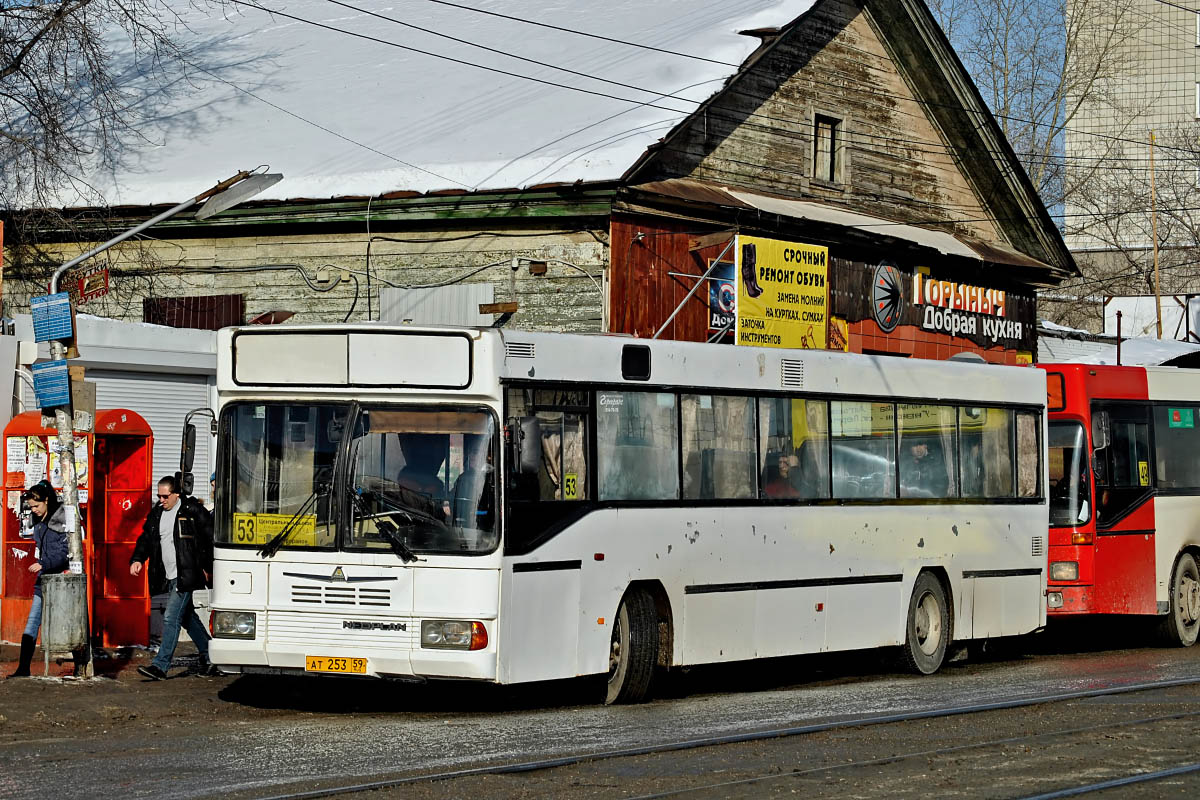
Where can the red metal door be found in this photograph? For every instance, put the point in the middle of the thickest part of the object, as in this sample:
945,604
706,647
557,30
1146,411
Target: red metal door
121,606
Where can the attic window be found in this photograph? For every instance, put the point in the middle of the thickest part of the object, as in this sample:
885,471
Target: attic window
827,134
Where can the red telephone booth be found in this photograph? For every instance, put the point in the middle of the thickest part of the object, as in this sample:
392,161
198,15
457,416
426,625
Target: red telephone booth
114,476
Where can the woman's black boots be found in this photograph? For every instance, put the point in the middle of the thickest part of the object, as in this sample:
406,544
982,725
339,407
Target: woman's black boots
27,643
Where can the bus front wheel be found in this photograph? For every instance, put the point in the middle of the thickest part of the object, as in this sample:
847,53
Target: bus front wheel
633,649
928,630
1182,622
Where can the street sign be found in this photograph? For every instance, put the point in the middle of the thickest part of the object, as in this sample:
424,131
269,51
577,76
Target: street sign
52,383
51,317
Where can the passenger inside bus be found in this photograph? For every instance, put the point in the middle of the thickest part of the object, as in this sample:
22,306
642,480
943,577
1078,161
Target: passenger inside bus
777,481
423,457
923,469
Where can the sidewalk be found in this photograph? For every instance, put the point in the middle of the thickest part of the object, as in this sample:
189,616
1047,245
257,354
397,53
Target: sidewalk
119,663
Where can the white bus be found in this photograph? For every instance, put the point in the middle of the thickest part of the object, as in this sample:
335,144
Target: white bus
436,503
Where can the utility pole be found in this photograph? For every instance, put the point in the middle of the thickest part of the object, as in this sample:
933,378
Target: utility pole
1154,236
224,195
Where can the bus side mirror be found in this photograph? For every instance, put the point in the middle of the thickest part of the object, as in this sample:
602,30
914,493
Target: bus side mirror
525,445
186,482
188,453
1100,431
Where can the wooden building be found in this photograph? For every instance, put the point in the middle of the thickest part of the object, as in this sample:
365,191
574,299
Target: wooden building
853,129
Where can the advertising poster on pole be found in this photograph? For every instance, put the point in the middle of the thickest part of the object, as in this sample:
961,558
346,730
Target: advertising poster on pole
782,293
722,298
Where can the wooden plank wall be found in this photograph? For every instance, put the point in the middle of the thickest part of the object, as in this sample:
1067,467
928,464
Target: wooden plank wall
642,291
760,133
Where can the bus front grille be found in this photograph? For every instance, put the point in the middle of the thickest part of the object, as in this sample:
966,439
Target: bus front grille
366,596
340,633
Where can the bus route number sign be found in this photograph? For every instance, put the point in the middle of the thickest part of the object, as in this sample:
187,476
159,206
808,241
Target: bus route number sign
261,528
570,486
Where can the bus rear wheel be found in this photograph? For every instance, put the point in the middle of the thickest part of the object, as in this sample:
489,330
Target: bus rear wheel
928,630
633,649
1183,617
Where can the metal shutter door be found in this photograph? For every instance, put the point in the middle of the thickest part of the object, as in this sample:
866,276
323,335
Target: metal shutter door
163,400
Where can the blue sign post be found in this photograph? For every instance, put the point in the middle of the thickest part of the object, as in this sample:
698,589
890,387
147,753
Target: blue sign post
52,383
51,317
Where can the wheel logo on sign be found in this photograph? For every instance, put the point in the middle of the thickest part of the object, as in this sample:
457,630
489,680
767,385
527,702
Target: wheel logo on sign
887,297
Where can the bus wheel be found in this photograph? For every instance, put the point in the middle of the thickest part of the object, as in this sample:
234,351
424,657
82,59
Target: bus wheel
928,630
633,650
1183,618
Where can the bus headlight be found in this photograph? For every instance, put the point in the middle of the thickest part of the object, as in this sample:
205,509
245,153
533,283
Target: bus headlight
233,624
453,634
1064,571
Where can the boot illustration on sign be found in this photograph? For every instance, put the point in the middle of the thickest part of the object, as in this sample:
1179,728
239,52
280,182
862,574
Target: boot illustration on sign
749,257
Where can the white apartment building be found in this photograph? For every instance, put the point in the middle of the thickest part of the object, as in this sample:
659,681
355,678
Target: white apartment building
1149,84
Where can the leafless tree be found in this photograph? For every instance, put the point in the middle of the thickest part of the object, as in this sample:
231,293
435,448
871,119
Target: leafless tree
1117,215
78,80
1039,64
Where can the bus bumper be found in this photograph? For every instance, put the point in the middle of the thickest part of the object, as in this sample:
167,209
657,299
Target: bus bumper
1066,600
232,655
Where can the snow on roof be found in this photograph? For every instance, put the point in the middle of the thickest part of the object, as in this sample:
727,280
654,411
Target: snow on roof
1047,325
343,115
1145,351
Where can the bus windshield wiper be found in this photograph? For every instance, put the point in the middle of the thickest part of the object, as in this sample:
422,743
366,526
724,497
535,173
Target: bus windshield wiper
392,534
272,547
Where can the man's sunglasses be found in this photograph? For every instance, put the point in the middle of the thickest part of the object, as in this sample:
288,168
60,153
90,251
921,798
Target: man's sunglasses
163,496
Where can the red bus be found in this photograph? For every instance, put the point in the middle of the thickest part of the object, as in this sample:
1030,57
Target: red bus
1124,464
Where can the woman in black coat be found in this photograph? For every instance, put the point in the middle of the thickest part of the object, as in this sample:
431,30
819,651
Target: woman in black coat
50,536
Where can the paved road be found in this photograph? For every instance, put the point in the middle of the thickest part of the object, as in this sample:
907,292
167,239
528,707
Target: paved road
427,728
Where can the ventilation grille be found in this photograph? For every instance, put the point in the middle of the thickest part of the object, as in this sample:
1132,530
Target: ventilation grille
792,373
1039,546
518,349
312,594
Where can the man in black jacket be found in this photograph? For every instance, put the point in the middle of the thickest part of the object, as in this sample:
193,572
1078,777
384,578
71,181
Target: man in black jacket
177,539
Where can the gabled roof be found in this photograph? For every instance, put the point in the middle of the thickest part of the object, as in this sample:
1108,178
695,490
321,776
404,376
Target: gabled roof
922,53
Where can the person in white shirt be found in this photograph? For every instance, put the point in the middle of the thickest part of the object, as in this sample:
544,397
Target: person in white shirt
177,541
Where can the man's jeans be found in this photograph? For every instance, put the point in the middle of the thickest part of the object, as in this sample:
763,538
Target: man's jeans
180,611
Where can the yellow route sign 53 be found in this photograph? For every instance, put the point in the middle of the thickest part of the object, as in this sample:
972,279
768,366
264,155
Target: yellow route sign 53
261,528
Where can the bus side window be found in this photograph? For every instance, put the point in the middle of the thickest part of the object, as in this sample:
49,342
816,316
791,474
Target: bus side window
1029,467
562,472
793,445
718,446
637,446
986,451
864,449
1176,442
928,450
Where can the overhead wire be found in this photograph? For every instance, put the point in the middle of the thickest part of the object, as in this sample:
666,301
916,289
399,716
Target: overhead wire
685,112
319,126
941,145
827,83
582,33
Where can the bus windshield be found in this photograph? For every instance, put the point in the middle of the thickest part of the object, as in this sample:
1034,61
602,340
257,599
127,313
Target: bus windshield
1069,485
419,479
280,462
